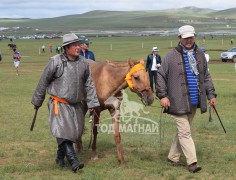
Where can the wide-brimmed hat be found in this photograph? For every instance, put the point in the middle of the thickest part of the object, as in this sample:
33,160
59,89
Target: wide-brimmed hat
186,31
70,38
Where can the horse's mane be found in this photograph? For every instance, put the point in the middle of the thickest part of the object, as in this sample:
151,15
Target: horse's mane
117,63
110,63
120,64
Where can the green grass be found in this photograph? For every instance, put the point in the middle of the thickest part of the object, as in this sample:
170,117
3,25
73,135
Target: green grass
31,155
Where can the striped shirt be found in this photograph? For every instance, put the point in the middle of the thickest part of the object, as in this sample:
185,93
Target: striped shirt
192,82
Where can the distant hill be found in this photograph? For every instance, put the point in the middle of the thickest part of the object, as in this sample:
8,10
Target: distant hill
135,21
190,10
228,13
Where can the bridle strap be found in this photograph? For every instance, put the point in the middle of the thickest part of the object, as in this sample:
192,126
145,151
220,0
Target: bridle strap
140,92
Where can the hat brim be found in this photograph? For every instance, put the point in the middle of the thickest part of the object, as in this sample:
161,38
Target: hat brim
85,42
69,42
187,35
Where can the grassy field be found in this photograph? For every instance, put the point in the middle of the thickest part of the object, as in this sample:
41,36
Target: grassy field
31,155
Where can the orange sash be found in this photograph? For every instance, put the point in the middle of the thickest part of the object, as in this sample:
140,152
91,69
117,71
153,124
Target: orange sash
55,102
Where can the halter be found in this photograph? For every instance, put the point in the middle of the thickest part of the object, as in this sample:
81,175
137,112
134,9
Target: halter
131,85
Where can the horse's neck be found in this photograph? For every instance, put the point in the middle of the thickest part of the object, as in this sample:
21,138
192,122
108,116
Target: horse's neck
120,73
122,86
109,78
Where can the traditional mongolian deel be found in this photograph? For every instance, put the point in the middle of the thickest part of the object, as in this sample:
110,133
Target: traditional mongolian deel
68,81
65,80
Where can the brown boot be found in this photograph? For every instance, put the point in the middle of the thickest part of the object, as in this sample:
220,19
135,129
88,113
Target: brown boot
172,163
193,168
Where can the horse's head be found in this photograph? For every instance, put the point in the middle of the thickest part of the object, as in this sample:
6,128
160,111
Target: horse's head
138,81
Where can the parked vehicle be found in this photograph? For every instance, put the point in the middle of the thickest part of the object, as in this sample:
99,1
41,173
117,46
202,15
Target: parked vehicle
229,55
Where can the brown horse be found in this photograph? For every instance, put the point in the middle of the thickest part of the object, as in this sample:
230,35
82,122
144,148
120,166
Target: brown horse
109,79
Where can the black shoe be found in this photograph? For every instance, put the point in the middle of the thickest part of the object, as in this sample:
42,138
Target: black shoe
71,156
193,168
172,163
80,166
60,162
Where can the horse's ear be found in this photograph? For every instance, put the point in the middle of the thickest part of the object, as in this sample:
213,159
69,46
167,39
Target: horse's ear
141,61
130,62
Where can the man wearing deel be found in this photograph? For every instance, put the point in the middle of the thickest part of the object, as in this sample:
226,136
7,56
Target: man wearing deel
68,81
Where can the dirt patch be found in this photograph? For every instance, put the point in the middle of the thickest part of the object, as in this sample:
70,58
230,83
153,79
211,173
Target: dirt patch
4,161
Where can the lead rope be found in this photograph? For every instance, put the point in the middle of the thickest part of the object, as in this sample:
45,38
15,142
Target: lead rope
160,128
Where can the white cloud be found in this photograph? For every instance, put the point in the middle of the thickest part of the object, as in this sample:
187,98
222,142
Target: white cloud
47,9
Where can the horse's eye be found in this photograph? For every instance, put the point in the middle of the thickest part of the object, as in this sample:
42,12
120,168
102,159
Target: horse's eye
136,78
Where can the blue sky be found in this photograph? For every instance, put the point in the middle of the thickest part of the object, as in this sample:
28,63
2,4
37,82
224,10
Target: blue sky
47,9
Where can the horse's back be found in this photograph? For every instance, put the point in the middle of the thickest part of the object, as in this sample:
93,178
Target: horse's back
107,77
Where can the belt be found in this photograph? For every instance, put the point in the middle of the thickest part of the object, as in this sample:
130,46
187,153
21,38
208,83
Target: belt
55,102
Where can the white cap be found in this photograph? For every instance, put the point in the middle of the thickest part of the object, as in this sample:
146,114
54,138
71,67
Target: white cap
186,31
155,49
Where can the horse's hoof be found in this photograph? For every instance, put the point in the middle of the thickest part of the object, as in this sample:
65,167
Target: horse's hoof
122,162
94,158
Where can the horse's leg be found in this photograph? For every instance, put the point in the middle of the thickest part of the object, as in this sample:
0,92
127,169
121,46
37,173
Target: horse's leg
95,132
113,105
79,145
115,116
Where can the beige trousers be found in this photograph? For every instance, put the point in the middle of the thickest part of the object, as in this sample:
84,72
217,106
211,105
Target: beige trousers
183,141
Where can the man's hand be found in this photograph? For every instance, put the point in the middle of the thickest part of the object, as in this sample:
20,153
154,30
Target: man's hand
36,107
91,114
213,102
165,102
